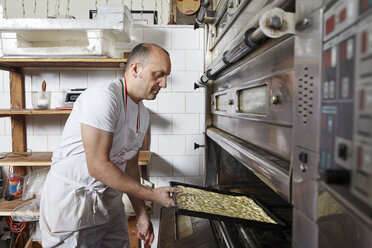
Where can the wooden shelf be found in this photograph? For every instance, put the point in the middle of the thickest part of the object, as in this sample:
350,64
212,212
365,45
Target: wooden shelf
144,158
10,112
35,159
45,158
13,64
7,207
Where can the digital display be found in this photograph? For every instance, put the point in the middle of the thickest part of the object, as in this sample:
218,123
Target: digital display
71,97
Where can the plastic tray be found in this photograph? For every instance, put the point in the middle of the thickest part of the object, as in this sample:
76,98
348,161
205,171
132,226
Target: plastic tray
279,223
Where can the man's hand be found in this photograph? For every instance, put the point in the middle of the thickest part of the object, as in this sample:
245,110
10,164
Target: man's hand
163,195
145,230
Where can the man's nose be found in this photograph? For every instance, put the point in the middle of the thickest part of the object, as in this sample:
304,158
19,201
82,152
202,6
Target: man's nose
163,82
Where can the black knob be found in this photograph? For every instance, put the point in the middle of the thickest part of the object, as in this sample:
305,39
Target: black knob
196,146
196,86
196,25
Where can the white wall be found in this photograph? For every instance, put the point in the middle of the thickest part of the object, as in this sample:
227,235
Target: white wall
177,115
78,8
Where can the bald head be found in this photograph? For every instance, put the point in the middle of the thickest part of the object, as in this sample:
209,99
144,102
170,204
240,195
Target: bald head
142,53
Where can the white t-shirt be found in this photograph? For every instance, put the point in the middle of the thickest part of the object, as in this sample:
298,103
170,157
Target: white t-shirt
71,198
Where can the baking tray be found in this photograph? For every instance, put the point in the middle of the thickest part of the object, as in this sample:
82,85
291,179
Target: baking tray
279,223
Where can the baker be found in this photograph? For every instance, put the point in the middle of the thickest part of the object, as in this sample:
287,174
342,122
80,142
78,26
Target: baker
97,160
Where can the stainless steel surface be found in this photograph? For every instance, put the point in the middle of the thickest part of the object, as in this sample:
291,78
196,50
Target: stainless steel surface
261,164
203,8
234,13
250,41
347,201
271,131
224,234
270,112
273,138
270,128
305,8
245,16
339,223
304,183
273,57
361,184
257,35
305,231
307,91
306,108
244,234
343,217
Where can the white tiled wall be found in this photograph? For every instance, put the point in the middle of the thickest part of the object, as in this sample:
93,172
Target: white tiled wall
78,9
177,115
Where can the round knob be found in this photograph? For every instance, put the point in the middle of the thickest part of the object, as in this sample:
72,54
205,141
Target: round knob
197,146
275,99
276,22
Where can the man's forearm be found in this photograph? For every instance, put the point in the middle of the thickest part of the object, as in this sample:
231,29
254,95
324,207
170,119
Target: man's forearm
113,177
133,171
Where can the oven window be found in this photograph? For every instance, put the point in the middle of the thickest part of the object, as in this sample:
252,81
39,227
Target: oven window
221,102
253,100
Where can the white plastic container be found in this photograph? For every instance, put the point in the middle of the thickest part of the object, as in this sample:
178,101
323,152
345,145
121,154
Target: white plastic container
41,99
37,37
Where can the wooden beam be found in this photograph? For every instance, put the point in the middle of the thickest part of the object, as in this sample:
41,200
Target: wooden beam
17,90
17,101
13,64
9,68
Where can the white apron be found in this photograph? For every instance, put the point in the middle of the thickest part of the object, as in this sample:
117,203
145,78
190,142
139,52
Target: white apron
73,200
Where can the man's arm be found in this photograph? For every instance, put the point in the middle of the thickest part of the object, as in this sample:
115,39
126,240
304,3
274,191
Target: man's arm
132,171
144,225
97,145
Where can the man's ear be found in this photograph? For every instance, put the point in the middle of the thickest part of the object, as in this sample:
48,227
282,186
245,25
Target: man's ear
134,69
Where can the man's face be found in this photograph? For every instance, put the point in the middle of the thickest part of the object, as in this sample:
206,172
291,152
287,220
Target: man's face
153,74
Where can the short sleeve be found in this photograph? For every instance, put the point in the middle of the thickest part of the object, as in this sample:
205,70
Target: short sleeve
98,108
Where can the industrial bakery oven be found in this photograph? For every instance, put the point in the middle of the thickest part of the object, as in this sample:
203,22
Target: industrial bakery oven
287,121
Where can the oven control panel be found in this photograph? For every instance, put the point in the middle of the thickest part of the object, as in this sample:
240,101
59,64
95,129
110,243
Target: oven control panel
362,169
346,93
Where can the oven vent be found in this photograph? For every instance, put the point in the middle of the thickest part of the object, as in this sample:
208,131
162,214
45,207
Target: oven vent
305,95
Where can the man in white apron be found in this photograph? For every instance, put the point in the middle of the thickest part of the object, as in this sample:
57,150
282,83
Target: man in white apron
81,203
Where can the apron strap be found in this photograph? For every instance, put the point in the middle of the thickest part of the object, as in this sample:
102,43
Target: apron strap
124,94
80,189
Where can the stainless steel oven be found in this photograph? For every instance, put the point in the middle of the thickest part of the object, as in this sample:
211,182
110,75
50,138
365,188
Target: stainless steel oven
288,120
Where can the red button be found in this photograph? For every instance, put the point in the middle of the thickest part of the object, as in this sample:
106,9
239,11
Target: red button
324,122
342,16
365,4
327,58
343,51
330,25
364,42
359,156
